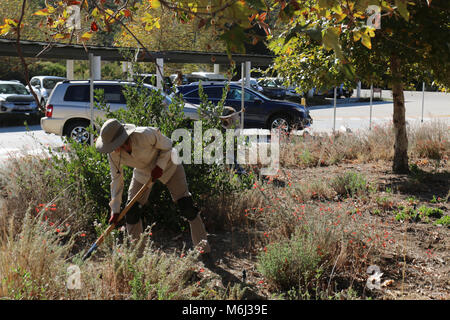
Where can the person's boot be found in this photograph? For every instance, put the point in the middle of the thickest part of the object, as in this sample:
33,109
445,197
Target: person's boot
135,227
135,230
198,232
199,235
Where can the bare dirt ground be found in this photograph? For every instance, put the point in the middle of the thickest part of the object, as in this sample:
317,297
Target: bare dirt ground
415,264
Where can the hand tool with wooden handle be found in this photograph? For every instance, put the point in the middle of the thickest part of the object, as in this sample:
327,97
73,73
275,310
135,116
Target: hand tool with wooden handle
122,214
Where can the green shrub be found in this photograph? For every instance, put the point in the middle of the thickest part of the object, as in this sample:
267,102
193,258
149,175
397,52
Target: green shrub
350,184
147,108
422,214
445,221
291,263
425,211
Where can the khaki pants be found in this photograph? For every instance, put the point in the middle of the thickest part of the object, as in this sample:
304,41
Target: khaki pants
178,189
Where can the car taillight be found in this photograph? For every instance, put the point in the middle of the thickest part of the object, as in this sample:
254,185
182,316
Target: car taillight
49,111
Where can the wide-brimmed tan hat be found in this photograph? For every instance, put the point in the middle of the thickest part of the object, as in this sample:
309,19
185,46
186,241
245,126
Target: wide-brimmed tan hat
112,135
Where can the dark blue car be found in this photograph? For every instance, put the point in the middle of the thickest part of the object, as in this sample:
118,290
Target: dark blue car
260,111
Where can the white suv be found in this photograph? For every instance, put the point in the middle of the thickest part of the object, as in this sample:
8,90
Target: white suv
43,86
68,108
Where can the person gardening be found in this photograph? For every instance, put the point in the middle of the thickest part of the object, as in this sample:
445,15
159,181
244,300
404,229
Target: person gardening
150,154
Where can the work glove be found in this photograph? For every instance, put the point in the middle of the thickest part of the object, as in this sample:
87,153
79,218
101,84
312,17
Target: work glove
114,218
156,173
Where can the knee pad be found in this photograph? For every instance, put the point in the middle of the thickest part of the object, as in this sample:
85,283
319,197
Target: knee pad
187,208
134,214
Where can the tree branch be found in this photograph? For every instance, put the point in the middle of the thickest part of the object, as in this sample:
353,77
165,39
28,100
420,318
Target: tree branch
22,59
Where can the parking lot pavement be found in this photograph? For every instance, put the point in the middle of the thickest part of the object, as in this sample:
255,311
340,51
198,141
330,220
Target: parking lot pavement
354,115
20,141
350,115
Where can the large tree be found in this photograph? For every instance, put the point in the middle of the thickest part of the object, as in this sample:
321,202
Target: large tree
411,45
414,33
167,32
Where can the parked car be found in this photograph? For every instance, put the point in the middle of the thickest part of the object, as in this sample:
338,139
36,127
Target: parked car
340,92
150,78
205,77
272,88
68,108
16,99
260,111
43,86
174,78
253,84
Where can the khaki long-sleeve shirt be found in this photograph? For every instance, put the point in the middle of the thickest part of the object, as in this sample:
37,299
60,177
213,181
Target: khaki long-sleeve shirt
149,148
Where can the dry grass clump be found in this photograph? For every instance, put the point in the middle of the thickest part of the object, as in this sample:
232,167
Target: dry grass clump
324,150
305,243
44,229
429,140
36,262
32,260
31,184
125,273
306,238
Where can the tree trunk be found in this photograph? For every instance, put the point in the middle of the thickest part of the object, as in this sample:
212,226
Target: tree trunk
400,164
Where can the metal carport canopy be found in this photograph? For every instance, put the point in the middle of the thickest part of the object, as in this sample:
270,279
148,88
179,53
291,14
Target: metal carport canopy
78,52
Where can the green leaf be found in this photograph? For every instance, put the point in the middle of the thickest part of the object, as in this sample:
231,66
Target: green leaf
357,35
315,33
402,8
348,70
330,40
294,32
366,41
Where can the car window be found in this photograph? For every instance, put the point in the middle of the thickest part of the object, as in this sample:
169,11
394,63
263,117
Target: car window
78,93
192,94
34,82
112,93
51,83
214,92
271,83
235,94
13,89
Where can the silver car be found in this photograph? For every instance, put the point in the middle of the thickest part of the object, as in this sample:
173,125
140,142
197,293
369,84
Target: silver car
43,86
68,108
15,99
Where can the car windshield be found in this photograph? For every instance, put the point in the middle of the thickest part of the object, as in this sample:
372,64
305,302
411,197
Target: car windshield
51,83
235,93
12,89
271,83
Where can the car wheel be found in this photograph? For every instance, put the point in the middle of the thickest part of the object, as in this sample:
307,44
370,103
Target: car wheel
280,122
78,131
